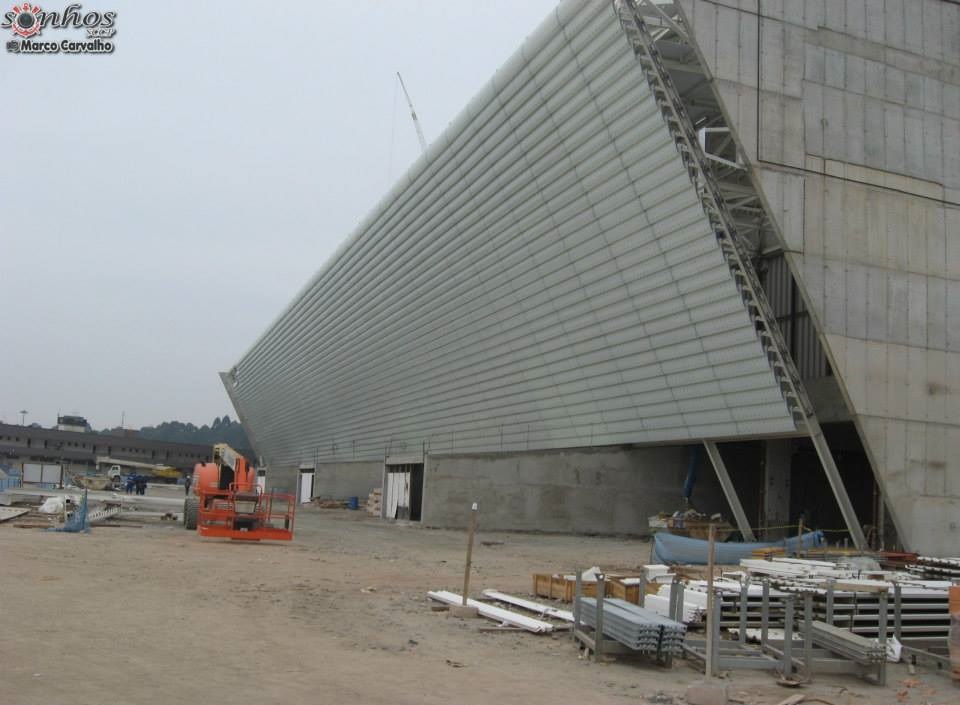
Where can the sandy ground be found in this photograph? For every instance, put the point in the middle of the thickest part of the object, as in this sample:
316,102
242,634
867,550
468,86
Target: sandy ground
157,615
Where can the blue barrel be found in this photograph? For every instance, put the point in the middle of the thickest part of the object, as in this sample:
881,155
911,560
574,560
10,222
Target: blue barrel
353,503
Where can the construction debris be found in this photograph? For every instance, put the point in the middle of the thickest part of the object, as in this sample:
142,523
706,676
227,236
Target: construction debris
7,513
56,505
691,523
102,513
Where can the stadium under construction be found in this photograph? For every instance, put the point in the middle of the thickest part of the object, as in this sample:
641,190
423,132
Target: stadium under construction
667,239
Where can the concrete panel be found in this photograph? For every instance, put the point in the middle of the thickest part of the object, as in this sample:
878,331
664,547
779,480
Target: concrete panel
347,479
877,260
607,491
778,456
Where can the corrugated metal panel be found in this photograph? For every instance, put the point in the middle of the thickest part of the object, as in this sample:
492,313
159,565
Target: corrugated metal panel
543,278
794,319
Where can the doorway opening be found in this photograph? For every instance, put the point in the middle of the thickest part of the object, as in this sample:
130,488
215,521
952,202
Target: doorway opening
403,491
305,493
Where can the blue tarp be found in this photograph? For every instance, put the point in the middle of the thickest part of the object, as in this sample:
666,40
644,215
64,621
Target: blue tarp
668,548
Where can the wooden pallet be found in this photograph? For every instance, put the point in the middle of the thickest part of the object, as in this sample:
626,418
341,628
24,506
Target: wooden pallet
374,501
560,587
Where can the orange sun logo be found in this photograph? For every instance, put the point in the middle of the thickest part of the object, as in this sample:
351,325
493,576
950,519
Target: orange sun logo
26,23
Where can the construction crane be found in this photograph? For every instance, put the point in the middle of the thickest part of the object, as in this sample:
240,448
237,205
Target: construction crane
413,114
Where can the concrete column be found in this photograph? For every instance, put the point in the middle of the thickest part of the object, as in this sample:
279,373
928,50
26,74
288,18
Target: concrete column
777,456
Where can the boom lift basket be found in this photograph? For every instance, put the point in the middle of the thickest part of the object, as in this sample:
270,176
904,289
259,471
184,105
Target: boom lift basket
246,515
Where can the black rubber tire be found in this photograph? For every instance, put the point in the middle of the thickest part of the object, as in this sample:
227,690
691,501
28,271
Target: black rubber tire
191,507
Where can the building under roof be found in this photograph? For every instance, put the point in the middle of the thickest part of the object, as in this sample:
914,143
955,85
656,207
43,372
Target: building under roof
661,226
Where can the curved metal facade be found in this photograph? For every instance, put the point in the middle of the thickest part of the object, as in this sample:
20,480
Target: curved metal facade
544,277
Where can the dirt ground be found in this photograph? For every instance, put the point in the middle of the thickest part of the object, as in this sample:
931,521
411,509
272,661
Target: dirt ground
157,615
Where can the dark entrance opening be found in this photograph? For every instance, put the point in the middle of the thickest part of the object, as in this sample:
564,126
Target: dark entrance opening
403,491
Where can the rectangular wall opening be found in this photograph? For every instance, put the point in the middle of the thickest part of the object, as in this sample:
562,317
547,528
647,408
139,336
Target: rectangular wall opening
403,491
305,490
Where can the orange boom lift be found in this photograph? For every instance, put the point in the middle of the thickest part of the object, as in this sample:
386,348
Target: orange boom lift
225,501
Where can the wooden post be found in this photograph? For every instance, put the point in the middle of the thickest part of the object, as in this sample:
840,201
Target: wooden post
577,594
711,602
800,539
466,570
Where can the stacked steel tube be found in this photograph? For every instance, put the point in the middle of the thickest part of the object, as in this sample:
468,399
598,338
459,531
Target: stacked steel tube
841,642
635,627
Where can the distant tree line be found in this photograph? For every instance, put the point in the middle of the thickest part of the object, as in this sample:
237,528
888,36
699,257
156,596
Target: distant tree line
222,430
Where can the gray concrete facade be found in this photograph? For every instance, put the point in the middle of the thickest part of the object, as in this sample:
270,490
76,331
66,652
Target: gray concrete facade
595,490
777,459
347,479
848,113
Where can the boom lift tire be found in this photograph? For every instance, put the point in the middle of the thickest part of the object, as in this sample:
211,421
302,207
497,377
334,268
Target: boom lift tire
191,507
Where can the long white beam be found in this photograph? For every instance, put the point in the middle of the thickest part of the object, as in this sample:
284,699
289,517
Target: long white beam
530,605
496,613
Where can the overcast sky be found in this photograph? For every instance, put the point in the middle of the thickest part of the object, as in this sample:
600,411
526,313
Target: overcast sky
163,203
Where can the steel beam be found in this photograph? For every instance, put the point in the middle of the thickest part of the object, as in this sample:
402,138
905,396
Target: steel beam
731,494
836,482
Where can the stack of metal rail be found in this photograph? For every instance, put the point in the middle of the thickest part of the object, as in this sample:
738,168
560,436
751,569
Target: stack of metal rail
841,597
843,643
921,614
932,568
635,627
730,599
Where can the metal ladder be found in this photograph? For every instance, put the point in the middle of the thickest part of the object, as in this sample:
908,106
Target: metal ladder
721,221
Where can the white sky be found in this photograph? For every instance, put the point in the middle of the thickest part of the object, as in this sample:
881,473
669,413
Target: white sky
162,204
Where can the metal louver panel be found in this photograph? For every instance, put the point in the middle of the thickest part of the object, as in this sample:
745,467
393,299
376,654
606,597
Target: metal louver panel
544,277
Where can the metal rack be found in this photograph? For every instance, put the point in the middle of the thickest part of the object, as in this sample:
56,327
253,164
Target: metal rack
592,636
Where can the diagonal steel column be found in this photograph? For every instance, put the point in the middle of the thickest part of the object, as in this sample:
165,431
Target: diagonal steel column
729,491
836,482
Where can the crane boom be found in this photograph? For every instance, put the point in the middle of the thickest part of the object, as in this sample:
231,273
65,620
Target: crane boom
413,114
227,455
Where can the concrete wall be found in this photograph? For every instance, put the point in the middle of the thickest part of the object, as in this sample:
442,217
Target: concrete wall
849,115
607,491
282,479
331,480
349,479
